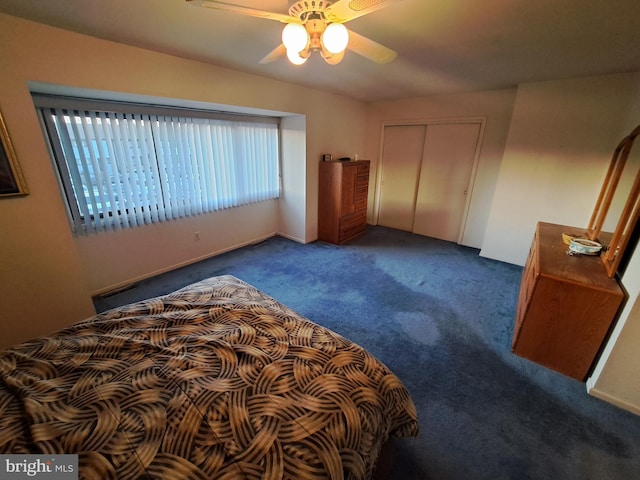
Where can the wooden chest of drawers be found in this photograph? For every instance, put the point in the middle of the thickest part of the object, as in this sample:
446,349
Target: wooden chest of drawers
342,200
566,305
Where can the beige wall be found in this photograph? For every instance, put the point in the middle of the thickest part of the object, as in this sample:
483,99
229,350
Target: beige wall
494,106
47,275
561,138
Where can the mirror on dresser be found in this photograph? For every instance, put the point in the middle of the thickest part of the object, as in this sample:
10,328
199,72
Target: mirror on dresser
618,205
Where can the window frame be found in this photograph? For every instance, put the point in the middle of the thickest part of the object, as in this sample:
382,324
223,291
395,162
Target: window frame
79,224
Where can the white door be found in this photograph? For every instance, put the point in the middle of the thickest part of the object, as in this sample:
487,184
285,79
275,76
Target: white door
441,202
425,177
401,160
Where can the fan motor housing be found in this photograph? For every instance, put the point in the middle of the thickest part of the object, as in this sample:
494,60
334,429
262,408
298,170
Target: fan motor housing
303,8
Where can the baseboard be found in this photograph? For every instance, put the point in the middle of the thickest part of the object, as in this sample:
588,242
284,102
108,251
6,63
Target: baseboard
594,392
291,237
115,288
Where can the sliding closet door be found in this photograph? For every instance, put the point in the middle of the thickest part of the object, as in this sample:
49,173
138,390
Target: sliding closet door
441,201
401,160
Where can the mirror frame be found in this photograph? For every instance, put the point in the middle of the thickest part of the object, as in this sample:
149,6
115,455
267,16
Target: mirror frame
630,213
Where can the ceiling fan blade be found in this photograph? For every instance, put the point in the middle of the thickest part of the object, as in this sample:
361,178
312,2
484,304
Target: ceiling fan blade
275,54
370,49
251,12
344,10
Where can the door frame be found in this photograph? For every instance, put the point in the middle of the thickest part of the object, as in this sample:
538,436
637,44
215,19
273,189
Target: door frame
481,120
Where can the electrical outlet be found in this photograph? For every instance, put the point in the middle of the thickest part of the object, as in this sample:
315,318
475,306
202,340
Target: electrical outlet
196,236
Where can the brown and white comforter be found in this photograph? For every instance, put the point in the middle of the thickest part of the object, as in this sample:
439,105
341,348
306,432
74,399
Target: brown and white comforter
214,381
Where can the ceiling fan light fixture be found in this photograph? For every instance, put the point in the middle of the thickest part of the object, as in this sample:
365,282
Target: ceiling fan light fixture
295,57
335,38
316,26
333,58
294,37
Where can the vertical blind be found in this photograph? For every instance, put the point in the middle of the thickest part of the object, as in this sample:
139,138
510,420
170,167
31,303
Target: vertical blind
123,169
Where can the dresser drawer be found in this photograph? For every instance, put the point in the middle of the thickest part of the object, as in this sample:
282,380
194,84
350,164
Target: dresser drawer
363,171
352,225
529,275
360,197
352,231
348,221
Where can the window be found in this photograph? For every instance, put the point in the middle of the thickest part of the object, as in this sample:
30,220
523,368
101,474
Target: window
134,165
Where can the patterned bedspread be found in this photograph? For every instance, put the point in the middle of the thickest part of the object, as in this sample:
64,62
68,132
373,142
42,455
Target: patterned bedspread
214,381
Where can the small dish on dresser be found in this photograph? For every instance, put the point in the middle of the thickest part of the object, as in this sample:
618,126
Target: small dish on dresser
584,246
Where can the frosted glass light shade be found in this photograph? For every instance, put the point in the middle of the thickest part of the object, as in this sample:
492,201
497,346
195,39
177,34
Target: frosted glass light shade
294,37
295,58
334,58
335,38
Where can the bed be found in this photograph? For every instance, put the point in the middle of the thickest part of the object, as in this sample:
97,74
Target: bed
214,381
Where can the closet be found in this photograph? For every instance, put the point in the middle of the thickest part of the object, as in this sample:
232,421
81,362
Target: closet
426,176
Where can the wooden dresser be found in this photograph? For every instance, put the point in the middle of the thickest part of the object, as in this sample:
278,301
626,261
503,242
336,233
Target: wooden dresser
566,305
342,200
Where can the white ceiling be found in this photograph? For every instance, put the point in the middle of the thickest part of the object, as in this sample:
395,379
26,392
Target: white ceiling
443,46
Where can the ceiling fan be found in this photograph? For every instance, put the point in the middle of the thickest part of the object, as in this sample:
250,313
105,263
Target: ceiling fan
317,26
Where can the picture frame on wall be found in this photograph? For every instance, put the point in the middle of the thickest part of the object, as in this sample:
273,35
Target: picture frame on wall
11,179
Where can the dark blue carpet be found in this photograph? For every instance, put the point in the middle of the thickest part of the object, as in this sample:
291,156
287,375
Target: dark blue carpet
441,318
